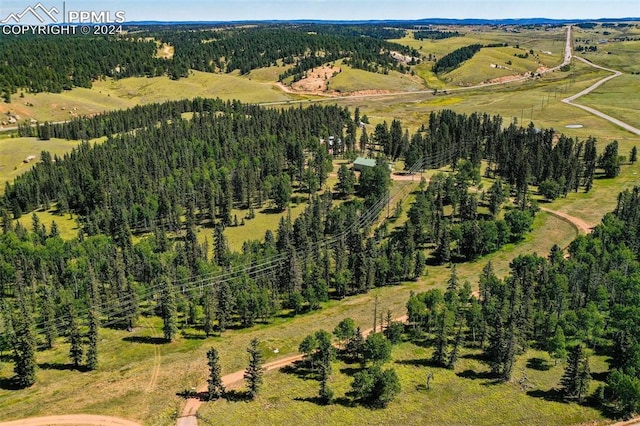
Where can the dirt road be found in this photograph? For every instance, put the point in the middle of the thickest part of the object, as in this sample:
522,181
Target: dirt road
570,99
72,419
580,225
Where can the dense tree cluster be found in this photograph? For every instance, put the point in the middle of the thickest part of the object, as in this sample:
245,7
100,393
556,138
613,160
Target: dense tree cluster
435,34
454,59
520,155
57,63
228,154
588,301
371,385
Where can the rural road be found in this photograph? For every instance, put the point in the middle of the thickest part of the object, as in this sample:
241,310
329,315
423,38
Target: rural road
71,419
570,100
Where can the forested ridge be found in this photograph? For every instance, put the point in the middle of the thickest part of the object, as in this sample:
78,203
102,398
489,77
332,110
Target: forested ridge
305,46
435,34
57,63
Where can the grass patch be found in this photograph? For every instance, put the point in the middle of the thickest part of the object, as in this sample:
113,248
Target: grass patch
67,225
287,399
253,229
492,63
353,80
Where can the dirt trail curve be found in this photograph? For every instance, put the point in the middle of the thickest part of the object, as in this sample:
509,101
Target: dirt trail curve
188,417
72,419
580,225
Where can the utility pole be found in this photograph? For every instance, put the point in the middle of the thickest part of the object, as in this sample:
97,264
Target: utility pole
375,313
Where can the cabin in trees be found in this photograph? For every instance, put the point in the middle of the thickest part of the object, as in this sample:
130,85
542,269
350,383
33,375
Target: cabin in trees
362,163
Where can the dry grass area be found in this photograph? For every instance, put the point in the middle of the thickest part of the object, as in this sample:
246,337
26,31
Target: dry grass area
165,51
316,80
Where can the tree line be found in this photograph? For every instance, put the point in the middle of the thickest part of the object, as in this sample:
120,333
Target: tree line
56,63
454,59
435,34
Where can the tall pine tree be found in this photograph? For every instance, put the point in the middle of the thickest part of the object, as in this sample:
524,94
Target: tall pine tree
215,388
253,373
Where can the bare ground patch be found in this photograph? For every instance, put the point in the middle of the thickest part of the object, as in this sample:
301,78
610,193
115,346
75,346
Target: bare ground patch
316,80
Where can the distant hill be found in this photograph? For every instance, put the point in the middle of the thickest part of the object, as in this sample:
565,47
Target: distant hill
403,23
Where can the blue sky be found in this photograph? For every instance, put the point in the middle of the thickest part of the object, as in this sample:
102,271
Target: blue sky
224,10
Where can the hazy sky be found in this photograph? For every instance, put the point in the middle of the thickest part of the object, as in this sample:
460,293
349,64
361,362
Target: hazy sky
224,10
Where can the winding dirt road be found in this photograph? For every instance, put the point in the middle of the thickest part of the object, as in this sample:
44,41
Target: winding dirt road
570,100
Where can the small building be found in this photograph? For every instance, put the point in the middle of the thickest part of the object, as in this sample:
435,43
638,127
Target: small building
362,163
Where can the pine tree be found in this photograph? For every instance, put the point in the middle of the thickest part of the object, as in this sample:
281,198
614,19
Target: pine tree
440,352
209,311
253,373
49,315
75,338
324,355
496,351
216,388
576,377
224,305
584,378
168,310
220,247
24,345
453,357
557,346
355,346
92,350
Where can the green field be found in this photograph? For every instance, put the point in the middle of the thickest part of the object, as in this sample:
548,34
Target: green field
547,46
618,98
353,80
620,55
